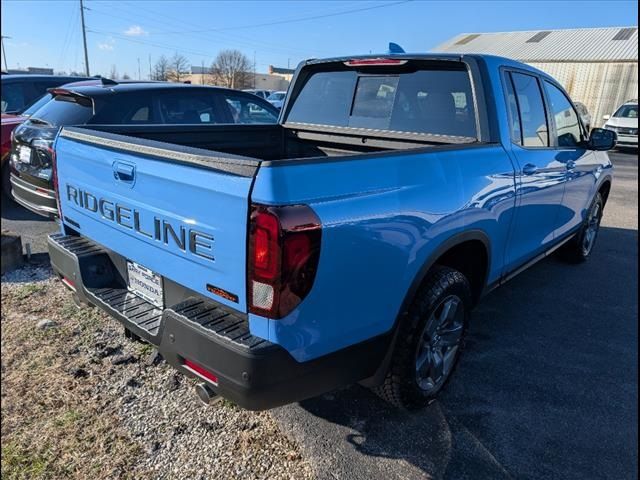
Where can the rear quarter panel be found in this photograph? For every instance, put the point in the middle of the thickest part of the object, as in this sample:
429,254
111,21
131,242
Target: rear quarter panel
383,216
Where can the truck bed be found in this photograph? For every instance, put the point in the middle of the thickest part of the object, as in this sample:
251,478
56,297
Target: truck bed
271,142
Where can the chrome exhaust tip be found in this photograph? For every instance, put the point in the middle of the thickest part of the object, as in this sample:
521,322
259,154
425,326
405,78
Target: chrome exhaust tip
206,395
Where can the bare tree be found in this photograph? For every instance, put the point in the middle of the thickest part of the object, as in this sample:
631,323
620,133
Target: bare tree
113,74
125,76
161,69
178,67
231,68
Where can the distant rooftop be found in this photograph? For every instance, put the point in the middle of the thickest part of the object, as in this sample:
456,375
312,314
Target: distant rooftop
615,44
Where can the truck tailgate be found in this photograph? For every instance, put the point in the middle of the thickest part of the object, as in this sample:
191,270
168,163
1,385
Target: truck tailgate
179,212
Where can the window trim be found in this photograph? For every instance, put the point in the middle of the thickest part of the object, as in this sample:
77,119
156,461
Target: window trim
507,71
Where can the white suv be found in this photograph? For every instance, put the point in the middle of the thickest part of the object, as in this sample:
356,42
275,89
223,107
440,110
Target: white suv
625,123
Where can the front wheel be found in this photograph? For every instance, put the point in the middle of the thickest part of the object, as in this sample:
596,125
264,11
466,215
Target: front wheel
429,341
579,248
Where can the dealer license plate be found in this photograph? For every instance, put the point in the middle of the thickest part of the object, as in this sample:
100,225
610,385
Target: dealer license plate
145,283
24,154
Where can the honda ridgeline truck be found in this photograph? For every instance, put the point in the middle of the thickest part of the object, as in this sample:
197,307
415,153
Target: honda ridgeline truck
347,243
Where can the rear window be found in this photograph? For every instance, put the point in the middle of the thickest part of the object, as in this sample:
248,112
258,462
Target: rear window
65,110
429,101
35,106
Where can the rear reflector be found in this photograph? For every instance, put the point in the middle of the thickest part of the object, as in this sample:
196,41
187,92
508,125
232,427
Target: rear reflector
200,371
373,62
68,283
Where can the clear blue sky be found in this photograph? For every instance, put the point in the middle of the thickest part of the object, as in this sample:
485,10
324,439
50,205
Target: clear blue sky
47,32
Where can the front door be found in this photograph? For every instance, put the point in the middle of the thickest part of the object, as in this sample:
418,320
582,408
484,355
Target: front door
540,174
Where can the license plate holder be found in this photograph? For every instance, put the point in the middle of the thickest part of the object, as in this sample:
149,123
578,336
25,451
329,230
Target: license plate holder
145,283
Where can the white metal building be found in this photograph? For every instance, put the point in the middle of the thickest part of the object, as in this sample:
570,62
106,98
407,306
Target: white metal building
597,66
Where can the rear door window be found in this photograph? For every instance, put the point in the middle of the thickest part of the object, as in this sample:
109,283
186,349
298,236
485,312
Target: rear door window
245,110
436,101
194,107
533,118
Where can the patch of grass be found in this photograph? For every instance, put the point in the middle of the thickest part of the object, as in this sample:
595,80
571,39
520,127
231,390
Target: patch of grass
68,418
144,349
20,463
29,289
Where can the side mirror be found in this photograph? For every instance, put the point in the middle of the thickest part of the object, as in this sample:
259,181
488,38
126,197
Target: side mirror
602,139
606,117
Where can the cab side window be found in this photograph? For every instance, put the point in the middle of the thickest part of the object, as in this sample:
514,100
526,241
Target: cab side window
568,132
533,118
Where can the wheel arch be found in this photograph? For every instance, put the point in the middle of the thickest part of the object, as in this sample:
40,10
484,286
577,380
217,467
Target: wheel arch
446,250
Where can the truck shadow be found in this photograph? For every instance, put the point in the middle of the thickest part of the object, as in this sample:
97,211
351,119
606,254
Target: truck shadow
547,387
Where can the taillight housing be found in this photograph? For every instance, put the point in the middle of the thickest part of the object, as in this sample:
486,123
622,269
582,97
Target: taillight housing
284,250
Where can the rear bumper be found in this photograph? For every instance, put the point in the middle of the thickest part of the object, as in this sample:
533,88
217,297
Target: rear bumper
37,199
251,371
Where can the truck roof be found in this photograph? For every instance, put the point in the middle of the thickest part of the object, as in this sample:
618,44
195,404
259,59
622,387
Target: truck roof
492,60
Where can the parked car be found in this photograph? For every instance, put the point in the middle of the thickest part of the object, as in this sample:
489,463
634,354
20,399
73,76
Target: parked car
585,116
108,102
346,243
261,93
625,123
277,99
20,91
11,120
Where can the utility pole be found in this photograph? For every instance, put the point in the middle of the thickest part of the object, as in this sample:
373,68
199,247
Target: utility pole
150,74
84,39
4,54
254,69
202,73
139,74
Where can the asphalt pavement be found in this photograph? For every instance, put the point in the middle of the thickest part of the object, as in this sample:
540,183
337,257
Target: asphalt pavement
547,387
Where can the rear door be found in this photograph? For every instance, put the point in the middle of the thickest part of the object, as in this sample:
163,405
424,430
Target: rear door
177,211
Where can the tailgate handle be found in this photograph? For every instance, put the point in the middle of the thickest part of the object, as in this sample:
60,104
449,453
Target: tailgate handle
124,172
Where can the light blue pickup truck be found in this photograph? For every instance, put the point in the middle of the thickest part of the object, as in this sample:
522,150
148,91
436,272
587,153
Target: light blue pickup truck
347,243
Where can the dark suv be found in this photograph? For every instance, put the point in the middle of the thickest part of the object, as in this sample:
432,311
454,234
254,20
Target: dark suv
111,103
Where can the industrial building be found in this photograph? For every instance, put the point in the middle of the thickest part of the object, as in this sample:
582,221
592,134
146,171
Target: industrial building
597,66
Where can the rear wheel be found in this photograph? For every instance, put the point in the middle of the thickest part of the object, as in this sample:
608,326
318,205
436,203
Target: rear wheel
430,340
579,248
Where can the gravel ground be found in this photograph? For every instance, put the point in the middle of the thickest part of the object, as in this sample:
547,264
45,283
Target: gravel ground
79,400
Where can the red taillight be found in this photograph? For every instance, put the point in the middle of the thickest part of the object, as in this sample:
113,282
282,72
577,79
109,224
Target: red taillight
373,62
284,248
201,371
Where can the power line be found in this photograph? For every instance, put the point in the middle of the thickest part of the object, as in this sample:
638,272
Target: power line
282,22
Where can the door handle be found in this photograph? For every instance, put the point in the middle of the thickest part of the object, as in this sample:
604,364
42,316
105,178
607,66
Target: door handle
124,172
571,165
529,169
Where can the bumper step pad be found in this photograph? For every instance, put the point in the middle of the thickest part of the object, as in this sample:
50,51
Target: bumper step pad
143,317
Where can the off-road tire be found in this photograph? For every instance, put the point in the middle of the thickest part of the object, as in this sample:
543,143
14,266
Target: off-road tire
400,387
